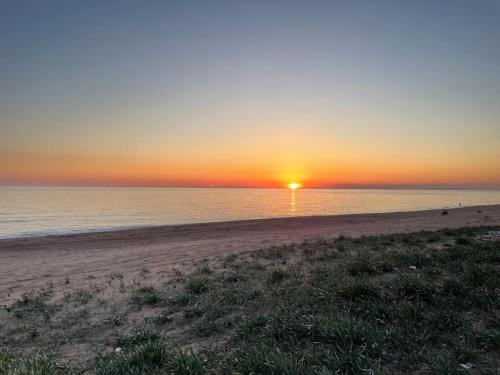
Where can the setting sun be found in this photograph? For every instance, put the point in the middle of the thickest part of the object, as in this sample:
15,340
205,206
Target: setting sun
294,185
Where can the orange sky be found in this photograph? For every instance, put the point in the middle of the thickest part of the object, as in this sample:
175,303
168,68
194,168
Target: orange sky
314,162
255,94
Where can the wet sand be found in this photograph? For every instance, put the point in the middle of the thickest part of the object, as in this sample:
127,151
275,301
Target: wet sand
29,264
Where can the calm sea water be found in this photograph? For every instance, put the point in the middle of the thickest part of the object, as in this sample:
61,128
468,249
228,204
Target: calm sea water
36,211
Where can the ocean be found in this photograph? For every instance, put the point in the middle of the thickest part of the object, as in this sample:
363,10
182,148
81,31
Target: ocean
38,211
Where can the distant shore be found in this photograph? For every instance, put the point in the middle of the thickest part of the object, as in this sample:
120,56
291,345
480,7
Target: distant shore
31,263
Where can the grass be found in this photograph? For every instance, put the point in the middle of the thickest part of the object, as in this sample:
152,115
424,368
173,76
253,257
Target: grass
161,319
81,296
418,303
147,295
32,305
197,285
36,364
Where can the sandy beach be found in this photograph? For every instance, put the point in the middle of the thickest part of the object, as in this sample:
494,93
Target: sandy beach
31,263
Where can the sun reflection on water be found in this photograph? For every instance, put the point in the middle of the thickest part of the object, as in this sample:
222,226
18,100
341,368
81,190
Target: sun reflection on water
293,201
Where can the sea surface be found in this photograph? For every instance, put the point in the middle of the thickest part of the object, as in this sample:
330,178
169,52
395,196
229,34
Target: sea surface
37,211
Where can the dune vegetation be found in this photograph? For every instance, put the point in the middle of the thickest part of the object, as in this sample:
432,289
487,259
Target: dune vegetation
413,303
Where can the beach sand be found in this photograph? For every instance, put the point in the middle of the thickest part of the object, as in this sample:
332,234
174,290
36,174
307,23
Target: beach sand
29,264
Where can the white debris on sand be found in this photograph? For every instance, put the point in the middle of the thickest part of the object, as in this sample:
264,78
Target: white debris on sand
467,365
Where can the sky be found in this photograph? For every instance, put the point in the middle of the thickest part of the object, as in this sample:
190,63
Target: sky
250,93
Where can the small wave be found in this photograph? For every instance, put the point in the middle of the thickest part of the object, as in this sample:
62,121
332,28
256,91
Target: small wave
62,232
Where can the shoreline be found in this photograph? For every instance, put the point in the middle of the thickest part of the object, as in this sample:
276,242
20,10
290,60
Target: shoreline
77,232
30,263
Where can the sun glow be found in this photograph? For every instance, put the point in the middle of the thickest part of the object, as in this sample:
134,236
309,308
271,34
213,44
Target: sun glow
294,185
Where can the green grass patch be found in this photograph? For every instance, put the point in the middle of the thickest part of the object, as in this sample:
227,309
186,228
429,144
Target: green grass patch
197,285
146,296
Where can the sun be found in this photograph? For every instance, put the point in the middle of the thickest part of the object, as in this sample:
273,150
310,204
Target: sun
294,185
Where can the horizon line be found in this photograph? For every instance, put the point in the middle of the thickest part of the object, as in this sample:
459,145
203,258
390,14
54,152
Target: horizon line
284,187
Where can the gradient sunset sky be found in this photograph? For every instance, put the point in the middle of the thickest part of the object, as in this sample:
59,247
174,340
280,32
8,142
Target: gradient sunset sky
250,93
